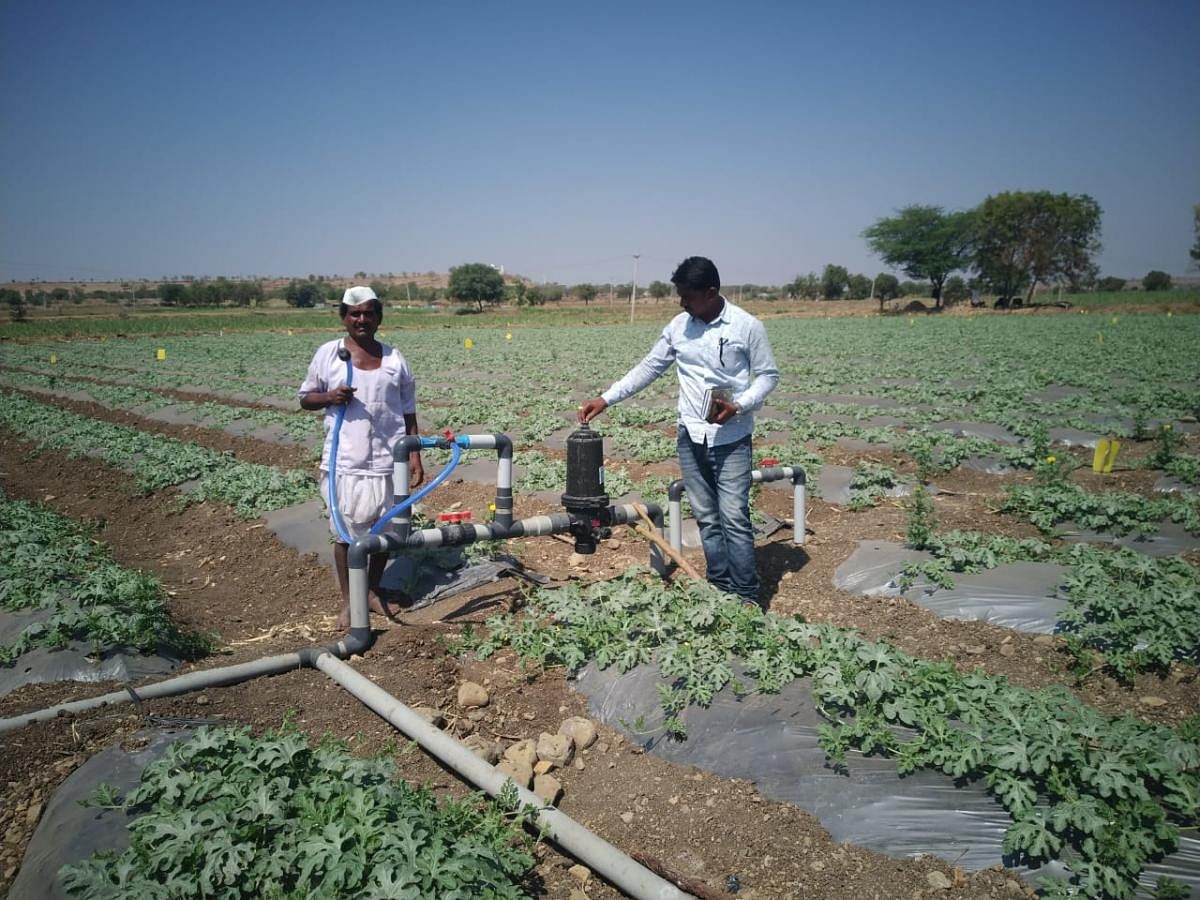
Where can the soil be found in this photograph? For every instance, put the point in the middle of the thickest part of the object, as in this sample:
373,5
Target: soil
234,578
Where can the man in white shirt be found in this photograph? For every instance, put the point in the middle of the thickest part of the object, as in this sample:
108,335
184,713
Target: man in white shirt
721,353
380,407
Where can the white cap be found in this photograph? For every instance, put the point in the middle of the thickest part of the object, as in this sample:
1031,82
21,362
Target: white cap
358,294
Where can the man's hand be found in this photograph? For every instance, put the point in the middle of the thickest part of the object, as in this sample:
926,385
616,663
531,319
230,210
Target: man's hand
416,471
722,411
591,409
340,395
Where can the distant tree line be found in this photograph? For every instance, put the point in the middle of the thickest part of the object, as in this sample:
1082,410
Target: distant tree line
217,292
1008,245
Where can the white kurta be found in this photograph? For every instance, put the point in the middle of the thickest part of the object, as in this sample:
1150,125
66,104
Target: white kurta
374,418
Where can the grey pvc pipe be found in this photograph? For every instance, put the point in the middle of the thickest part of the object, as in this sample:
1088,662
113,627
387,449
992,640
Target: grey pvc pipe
799,479
601,856
469,533
501,443
193,681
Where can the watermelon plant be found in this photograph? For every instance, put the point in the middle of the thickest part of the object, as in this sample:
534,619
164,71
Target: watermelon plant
1107,795
157,462
227,814
49,562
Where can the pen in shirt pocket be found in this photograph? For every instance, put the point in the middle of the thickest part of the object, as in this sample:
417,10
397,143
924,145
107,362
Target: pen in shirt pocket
721,349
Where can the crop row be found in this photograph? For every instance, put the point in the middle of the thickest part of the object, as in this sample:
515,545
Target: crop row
50,563
1108,794
1140,367
157,462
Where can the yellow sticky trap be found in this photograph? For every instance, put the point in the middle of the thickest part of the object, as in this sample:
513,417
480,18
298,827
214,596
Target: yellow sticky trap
289,332
468,343
160,354
1105,455
508,336
53,359
1111,456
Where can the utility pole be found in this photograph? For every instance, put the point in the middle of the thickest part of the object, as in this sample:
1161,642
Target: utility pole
633,289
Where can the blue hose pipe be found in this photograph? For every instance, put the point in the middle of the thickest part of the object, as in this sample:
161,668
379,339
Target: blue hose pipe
338,522
456,445
455,453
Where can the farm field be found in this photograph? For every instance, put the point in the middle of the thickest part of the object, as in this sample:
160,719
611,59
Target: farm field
963,441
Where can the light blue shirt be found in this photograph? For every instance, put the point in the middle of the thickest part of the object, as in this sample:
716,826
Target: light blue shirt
731,352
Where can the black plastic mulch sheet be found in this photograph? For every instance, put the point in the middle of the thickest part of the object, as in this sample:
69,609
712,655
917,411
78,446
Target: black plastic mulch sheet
771,740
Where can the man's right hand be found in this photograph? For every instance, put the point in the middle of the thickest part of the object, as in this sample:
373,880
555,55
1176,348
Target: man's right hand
340,395
591,409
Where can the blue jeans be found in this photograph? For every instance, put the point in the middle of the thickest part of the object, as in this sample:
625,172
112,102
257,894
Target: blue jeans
718,487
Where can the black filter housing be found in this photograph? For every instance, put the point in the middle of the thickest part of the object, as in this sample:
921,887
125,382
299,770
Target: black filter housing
585,498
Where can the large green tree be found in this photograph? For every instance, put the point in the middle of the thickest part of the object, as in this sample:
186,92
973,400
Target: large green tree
834,281
1156,280
476,283
585,292
924,242
1026,238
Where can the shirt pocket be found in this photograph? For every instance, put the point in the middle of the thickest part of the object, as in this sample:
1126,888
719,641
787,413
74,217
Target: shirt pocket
733,354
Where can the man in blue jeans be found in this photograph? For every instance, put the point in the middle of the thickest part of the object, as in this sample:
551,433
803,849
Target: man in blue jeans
722,354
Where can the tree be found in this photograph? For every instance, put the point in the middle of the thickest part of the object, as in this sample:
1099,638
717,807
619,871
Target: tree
15,301
1023,238
515,292
1156,280
1110,284
533,296
803,287
585,292
887,287
658,290
476,283
303,294
924,242
1194,253
859,287
174,294
954,290
834,281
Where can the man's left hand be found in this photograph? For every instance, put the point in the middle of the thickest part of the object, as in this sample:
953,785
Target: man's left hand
722,411
416,472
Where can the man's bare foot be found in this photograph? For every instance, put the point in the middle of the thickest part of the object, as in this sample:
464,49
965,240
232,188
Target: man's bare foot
384,607
375,604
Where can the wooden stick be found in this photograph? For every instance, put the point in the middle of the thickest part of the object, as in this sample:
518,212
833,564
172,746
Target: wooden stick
693,886
666,548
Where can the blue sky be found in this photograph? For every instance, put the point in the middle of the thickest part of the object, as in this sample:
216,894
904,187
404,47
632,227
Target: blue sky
147,139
